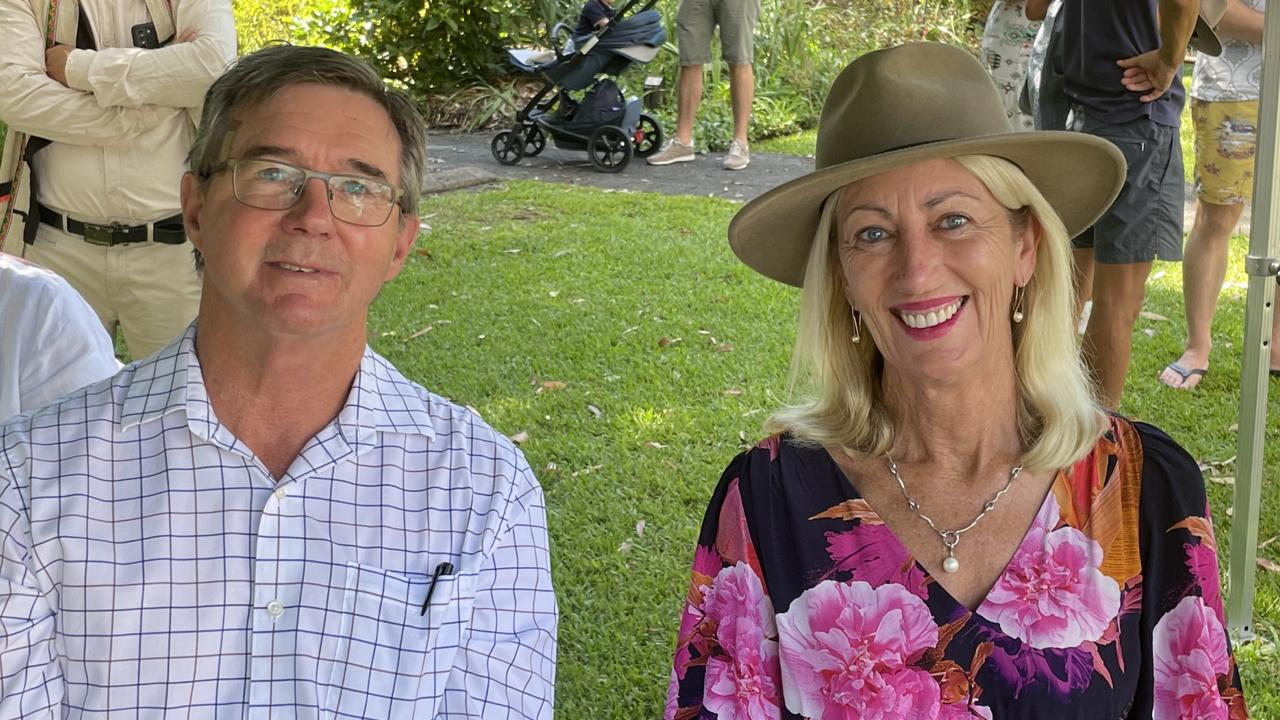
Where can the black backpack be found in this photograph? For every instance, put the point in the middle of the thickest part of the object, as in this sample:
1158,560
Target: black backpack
601,105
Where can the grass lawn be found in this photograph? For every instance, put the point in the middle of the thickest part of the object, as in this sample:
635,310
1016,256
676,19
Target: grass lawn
618,332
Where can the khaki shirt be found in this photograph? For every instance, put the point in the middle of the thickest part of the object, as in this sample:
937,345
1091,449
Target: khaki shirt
121,132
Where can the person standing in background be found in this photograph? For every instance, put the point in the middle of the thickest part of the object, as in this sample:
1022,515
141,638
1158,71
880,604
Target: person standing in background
100,98
696,21
1122,62
1224,110
1006,48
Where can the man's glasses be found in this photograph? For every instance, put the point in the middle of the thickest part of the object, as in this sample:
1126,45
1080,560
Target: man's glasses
275,185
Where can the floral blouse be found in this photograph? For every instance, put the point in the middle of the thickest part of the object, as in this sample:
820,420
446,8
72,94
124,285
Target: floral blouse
804,604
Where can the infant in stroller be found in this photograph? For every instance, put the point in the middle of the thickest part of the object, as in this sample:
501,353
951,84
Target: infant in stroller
609,127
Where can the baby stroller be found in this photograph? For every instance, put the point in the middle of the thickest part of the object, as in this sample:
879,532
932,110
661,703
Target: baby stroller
608,127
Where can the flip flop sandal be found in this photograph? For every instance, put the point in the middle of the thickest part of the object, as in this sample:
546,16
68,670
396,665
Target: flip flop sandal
1186,374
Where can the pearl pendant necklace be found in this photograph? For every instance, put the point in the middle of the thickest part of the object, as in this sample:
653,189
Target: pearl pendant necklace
951,538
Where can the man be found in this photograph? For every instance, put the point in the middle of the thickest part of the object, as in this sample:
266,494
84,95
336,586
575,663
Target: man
1121,67
1224,109
696,20
112,91
266,519
50,341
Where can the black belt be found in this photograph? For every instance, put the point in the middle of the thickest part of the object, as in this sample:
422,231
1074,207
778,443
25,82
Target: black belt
168,231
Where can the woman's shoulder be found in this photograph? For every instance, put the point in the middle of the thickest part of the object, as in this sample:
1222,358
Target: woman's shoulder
1147,444
782,465
1145,458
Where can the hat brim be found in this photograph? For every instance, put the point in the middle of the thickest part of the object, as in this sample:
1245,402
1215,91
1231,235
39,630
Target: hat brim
1204,39
1078,174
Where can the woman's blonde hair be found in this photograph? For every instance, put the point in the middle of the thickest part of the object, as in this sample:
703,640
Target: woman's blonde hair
843,406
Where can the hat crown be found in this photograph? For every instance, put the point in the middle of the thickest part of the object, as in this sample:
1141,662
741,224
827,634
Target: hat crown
905,96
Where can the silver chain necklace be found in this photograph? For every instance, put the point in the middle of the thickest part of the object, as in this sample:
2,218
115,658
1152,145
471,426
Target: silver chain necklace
951,538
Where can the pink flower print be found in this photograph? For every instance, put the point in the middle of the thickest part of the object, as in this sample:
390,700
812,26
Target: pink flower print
848,651
745,685
1052,594
1202,561
742,682
873,554
737,602
1190,649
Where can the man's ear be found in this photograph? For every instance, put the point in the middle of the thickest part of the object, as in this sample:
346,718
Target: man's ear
405,235
192,198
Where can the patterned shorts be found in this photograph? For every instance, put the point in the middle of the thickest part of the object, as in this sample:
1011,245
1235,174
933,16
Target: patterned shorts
1226,142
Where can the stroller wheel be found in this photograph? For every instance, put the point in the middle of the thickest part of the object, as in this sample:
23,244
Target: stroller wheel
535,141
648,136
506,148
610,149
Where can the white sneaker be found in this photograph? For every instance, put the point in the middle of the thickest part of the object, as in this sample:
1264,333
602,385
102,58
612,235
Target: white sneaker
674,152
739,156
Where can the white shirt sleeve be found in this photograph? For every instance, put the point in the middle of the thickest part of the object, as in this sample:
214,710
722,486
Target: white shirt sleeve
36,104
173,76
66,349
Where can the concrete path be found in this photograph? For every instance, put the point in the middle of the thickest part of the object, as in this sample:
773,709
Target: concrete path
464,160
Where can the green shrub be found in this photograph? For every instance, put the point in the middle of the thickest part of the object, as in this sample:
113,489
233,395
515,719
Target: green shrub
431,47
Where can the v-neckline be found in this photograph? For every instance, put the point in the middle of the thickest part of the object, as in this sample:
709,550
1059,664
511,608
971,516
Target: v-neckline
851,487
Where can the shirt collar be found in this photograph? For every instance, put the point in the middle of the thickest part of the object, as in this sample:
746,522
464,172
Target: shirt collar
381,399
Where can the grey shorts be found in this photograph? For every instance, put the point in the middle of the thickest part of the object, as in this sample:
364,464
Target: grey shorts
1145,221
697,19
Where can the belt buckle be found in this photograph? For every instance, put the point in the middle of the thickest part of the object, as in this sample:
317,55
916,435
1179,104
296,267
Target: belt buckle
102,234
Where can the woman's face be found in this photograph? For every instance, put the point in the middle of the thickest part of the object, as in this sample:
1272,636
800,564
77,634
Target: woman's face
930,260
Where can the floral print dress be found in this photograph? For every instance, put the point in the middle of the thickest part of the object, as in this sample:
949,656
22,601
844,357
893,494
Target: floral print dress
804,605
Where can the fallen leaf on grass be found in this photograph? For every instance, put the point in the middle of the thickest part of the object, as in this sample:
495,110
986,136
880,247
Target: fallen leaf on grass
1158,275
512,251
723,347
520,437
1149,332
625,547
1152,316
550,386
1268,541
586,470
665,341
595,410
655,445
640,529
1268,565
1224,480
733,391
421,332
553,293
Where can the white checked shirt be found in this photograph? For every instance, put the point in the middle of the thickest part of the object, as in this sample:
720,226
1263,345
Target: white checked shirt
151,567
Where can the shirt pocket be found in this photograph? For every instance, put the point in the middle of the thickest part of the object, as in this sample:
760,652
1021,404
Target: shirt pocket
391,659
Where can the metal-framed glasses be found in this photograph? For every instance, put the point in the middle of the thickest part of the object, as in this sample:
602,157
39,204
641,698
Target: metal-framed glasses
275,185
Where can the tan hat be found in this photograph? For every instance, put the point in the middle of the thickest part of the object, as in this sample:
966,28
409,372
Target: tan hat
907,104
1203,38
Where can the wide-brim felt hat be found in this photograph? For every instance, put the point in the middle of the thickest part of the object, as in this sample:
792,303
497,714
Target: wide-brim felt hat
904,105
1203,38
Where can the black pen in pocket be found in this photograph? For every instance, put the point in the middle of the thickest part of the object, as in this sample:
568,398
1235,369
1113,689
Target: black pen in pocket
443,568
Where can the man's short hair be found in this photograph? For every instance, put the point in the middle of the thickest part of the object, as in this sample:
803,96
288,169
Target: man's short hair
254,78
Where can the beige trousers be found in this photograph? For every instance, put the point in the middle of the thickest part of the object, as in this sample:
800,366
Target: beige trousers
149,291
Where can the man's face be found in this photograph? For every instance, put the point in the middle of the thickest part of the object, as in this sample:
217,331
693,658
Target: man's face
300,271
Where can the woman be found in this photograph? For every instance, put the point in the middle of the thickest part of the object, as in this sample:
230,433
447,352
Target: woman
950,527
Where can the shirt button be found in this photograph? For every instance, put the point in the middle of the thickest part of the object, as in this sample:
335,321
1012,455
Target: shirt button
281,494
275,609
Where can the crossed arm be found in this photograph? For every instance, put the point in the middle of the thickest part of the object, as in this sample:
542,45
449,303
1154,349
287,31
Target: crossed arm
110,96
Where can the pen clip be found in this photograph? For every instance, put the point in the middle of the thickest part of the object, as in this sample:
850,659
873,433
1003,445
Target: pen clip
443,568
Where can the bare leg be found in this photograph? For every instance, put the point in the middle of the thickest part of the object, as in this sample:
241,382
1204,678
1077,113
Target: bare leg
688,97
1118,292
1082,276
1203,269
741,92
